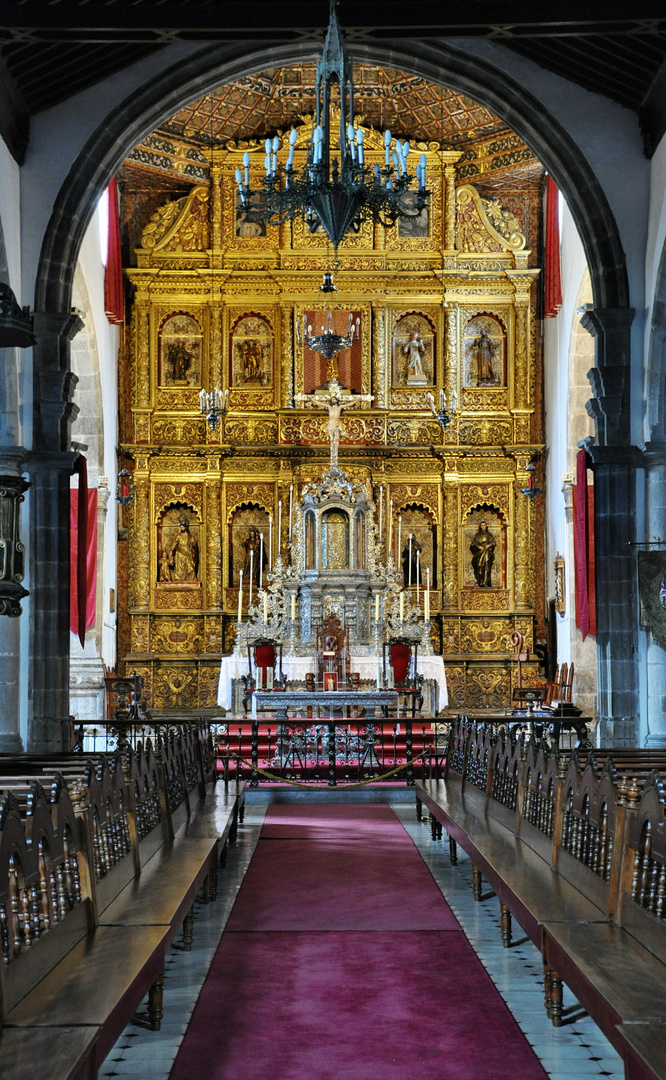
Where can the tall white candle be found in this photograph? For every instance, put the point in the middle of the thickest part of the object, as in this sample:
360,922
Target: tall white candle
426,596
265,606
399,552
293,607
240,595
381,511
249,601
418,577
402,607
390,531
270,541
410,560
279,532
261,559
376,607
291,507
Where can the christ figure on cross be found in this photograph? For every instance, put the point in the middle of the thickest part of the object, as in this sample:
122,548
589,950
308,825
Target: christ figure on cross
335,402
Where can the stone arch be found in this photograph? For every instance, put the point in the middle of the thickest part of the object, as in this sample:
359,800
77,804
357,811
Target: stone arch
447,66
656,366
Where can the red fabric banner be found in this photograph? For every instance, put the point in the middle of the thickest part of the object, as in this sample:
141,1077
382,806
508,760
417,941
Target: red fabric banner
551,272
83,555
114,298
584,561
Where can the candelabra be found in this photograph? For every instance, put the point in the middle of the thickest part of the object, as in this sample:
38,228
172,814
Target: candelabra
213,404
531,490
442,417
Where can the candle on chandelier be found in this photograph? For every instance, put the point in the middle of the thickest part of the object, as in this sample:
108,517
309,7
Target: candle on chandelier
376,607
240,595
291,507
270,541
261,559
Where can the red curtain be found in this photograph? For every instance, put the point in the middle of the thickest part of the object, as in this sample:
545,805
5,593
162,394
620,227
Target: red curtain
82,554
114,299
551,271
584,563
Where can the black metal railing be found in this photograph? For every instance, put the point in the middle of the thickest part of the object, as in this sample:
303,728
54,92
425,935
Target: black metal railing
331,752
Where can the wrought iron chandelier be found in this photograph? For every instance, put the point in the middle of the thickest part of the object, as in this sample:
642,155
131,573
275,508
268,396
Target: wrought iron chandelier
328,343
336,189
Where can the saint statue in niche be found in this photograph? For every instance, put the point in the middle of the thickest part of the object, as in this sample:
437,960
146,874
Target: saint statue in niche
180,562
483,555
484,359
253,546
251,356
414,349
180,360
416,574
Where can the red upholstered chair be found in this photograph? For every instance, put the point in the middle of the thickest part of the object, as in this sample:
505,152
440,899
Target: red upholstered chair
264,655
401,655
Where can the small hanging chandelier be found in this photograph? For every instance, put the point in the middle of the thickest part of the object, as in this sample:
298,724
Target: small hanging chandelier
336,189
531,490
328,343
442,416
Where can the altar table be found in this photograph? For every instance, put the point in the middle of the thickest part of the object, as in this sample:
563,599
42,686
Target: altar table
295,668
278,701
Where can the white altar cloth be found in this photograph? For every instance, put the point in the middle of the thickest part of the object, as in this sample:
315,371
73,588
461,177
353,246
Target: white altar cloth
297,667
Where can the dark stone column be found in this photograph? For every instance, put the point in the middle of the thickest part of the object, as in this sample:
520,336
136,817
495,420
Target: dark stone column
48,722
50,467
614,462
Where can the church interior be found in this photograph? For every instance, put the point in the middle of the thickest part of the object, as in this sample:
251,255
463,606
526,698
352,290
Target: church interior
333,541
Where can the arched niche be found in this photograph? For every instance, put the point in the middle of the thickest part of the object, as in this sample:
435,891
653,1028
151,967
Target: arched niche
178,547
484,351
484,548
248,522
335,546
180,351
419,521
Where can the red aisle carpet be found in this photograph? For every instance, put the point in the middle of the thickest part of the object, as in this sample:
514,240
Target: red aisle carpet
342,961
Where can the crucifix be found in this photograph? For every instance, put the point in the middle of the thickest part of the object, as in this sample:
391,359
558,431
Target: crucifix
333,399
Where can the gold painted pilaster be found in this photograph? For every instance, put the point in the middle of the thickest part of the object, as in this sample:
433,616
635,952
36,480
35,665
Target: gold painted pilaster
139,534
450,208
451,352
287,334
213,580
521,543
379,375
450,547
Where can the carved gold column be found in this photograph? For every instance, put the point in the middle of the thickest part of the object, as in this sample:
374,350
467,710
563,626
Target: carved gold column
140,367
379,379
212,519
450,207
216,203
287,334
450,544
139,540
523,378
451,309
521,542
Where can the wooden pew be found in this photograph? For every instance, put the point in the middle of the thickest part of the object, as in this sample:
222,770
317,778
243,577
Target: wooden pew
575,848
132,839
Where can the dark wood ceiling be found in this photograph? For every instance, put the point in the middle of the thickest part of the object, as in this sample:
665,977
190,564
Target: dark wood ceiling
52,49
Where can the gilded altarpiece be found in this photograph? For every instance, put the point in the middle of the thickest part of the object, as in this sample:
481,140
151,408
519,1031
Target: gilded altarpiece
446,303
